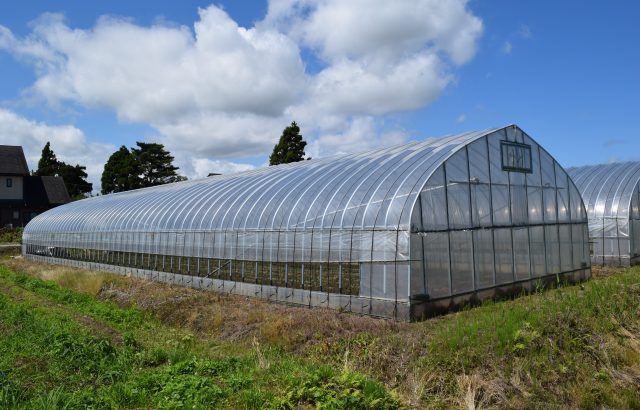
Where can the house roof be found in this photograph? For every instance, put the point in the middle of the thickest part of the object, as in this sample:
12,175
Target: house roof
12,160
41,191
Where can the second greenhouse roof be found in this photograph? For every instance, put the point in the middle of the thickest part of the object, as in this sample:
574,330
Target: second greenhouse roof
607,188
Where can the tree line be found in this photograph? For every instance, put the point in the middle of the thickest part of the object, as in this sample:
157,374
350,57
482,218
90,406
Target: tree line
148,164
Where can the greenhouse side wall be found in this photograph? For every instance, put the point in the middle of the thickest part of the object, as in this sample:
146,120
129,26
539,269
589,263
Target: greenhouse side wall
319,234
366,287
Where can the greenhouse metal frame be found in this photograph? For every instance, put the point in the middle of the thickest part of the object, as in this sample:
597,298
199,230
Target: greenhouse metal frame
401,232
611,193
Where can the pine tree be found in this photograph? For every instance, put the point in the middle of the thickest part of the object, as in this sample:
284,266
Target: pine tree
155,164
48,164
120,172
74,176
148,165
75,180
290,147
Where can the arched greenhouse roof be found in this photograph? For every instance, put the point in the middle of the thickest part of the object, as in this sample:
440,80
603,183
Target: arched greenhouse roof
371,190
607,189
612,200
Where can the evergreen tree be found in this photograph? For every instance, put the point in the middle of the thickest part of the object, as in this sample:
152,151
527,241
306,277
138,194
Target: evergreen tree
155,164
148,165
74,176
48,164
75,180
120,172
290,147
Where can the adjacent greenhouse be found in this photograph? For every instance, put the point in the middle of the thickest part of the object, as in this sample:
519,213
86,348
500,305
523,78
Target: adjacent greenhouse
398,232
611,196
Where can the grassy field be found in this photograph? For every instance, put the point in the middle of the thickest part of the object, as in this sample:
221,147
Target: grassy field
78,339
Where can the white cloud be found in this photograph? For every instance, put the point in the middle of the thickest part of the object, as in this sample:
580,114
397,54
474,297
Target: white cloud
151,74
461,118
218,90
358,28
68,142
71,146
223,135
201,167
370,88
361,134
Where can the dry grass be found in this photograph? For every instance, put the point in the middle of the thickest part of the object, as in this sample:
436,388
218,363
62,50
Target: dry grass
228,317
476,392
84,281
603,271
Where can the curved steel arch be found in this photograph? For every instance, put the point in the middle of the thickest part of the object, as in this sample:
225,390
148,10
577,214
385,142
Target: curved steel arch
610,192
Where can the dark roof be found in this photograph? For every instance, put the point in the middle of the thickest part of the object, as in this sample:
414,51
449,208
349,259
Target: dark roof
45,191
56,190
12,160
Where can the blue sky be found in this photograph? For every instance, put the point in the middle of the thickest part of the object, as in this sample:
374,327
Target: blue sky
96,75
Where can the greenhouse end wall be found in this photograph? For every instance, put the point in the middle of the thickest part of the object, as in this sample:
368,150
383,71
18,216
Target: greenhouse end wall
512,219
401,232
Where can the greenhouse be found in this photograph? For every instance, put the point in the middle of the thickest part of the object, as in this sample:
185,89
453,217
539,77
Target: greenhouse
611,197
401,232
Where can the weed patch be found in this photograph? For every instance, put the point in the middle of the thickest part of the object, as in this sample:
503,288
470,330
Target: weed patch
60,348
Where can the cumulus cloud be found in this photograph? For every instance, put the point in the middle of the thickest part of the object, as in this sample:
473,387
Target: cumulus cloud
68,142
358,28
360,134
366,88
151,74
219,90
201,167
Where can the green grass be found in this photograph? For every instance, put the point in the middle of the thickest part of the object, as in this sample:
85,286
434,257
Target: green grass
575,346
64,349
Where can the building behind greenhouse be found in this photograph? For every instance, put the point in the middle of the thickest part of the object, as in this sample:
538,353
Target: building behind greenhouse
399,232
611,197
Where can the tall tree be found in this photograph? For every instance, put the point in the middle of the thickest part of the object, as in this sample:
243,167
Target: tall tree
48,165
148,165
75,177
155,164
290,147
120,172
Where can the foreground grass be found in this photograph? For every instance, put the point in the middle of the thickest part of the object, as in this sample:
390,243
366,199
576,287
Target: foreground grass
63,349
572,346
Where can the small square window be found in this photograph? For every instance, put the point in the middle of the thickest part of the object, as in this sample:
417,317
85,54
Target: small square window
516,157
16,214
9,182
